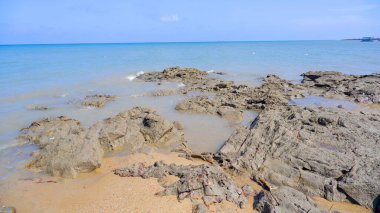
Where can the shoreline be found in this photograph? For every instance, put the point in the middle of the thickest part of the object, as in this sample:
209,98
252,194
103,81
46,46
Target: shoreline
274,173
87,193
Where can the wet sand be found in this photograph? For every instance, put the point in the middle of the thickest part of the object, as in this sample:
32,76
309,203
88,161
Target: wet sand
102,191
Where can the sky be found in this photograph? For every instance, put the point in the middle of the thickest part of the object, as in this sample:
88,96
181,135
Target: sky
114,21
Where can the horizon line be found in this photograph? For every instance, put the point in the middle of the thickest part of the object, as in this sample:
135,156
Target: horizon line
163,42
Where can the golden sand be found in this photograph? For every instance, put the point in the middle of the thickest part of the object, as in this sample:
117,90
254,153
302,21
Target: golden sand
102,191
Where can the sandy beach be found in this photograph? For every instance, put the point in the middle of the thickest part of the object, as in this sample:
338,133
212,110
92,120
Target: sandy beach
289,158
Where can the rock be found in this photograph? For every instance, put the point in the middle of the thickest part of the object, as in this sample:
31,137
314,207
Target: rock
230,113
247,190
66,147
230,100
186,75
361,88
200,208
136,128
38,107
220,73
178,125
97,100
205,182
284,199
161,93
321,152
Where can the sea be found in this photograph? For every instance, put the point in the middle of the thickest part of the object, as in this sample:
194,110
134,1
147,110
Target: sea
58,75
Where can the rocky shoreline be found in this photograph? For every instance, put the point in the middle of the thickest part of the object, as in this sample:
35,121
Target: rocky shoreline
295,153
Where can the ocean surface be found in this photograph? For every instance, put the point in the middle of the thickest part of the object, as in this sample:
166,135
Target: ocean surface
57,75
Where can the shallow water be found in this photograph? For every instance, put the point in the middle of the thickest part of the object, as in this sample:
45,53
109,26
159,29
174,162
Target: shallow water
54,75
317,101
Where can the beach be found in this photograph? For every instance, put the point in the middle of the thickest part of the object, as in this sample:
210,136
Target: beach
187,139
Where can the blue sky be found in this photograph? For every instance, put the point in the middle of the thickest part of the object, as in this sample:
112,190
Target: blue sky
89,21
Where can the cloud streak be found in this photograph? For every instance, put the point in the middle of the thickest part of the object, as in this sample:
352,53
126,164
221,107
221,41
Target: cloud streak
359,8
170,18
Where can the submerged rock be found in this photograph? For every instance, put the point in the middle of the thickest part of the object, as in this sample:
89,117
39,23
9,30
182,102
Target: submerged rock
322,152
185,75
361,88
97,100
68,148
201,182
38,107
161,93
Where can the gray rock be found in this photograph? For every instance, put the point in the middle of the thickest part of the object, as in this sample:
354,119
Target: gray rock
322,152
97,100
284,199
161,93
38,107
209,183
185,75
361,88
68,148
200,208
136,128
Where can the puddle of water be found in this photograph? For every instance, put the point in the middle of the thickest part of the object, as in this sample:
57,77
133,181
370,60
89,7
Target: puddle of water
317,101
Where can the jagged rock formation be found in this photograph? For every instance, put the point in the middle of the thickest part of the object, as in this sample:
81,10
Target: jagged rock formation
68,148
97,100
208,183
361,88
321,152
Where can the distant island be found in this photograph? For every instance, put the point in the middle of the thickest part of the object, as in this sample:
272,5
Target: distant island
363,39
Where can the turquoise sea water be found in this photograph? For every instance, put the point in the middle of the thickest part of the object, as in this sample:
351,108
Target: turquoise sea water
53,75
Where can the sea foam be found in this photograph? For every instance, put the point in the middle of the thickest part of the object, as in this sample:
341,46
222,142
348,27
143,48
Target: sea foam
133,76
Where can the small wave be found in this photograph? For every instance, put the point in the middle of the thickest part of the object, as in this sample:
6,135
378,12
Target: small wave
136,95
181,85
62,95
211,71
133,76
87,108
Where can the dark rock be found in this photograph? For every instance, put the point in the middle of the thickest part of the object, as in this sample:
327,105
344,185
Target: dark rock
38,107
361,88
320,152
205,182
97,100
284,199
68,148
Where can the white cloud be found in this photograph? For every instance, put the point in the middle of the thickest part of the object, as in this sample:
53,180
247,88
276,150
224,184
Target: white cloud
170,18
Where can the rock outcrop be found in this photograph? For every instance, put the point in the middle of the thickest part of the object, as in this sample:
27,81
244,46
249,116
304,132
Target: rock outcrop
161,93
201,182
361,88
189,76
97,100
231,99
68,148
321,152
284,199
136,128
